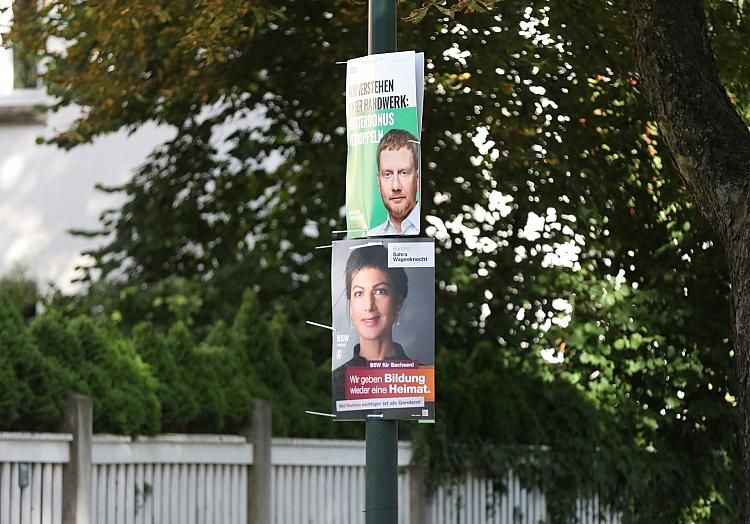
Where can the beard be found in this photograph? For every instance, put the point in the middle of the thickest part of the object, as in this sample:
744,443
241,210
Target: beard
400,210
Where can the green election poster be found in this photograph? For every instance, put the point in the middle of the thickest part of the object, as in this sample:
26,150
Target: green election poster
383,127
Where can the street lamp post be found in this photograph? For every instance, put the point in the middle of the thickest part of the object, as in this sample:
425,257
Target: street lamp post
381,455
381,27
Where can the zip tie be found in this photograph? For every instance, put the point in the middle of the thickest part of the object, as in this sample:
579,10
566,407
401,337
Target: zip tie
324,247
366,245
320,325
375,415
320,414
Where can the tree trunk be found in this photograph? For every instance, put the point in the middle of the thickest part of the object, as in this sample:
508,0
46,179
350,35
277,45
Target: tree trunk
711,147
738,253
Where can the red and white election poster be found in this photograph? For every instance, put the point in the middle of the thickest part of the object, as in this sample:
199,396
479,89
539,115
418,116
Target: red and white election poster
383,297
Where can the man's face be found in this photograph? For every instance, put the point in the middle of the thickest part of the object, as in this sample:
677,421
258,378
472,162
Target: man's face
398,181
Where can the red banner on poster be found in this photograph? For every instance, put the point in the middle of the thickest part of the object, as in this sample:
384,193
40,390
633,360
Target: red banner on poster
392,382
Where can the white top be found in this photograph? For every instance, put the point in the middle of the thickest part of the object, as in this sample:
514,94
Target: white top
409,225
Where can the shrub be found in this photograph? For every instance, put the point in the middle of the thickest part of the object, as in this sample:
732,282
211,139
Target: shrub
257,345
205,372
151,380
56,342
122,385
10,395
176,397
42,384
20,291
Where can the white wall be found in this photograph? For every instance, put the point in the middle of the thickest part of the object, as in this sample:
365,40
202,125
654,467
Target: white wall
45,191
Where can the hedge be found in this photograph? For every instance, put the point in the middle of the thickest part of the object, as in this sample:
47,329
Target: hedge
152,379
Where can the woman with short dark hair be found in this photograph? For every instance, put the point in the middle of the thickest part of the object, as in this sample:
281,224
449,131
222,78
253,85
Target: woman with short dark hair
375,294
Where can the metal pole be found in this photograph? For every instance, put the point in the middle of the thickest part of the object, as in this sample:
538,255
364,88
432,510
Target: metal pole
381,27
381,472
381,455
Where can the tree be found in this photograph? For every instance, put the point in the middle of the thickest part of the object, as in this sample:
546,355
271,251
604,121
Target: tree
710,144
570,254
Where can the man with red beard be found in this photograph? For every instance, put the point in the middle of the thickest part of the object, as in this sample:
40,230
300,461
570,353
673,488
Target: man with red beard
398,180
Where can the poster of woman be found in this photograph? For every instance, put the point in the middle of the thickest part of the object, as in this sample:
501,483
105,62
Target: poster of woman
383,350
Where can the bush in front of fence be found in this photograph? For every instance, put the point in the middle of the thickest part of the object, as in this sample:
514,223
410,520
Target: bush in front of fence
179,401
103,364
32,387
161,378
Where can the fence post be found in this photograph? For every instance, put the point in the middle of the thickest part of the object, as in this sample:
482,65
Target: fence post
77,472
417,495
259,485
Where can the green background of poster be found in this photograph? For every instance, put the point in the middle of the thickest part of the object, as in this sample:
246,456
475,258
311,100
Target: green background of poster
362,193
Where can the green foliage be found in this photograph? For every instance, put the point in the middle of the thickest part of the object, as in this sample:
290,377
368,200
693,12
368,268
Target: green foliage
14,343
460,6
10,394
257,357
258,349
160,380
177,399
39,386
596,334
96,360
56,342
502,414
20,290
122,386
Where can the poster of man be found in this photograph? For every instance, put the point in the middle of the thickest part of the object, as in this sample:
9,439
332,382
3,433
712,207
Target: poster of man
383,172
398,182
383,349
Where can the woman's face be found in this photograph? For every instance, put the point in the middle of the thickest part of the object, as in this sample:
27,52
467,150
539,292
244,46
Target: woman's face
373,304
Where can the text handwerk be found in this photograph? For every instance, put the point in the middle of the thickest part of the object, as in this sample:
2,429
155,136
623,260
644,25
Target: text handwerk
366,105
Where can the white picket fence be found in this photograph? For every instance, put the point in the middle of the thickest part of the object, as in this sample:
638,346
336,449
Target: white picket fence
473,499
203,479
323,481
31,468
196,479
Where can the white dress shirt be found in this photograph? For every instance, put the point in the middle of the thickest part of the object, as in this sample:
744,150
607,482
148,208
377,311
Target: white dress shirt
409,225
